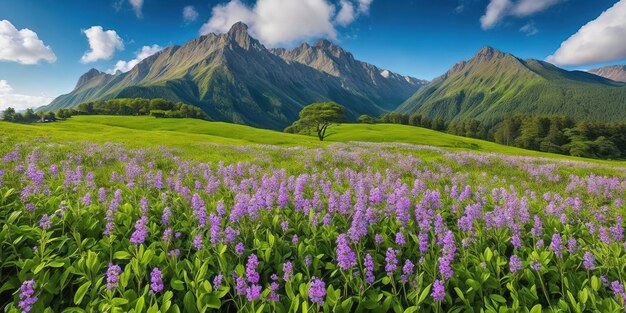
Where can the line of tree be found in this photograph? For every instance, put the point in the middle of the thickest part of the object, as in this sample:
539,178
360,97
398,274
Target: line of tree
136,106
28,116
555,134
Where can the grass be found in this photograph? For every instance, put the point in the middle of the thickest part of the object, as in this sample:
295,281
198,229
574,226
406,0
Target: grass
192,136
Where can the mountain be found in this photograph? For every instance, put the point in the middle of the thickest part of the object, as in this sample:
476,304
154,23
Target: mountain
615,72
379,85
494,84
234,78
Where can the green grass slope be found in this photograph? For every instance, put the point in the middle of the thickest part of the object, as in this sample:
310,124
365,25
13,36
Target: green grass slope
194,137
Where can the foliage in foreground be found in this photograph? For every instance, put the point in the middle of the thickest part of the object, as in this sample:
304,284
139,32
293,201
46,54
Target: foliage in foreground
346,228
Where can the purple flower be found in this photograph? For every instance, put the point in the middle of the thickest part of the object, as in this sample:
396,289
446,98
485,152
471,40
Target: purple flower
537,227
618,290
287,270
439,291
378,239
27,295
240,248
368,262
589,261
216,229
165,218
167,235
572,246
391,261
113,273
294,239
317,291
253,292
240,285
307,261
284,226
102,194
535,265
515,264
400,239
197,242
175,252
217,281
557,245
346,257
273,296
407,271
140,233
156,284
423,240
87,199
251,274
45,222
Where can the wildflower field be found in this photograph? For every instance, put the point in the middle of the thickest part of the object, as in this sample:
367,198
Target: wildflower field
343,227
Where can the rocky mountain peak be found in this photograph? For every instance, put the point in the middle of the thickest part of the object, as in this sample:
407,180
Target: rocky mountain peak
88,76
488,54
238,34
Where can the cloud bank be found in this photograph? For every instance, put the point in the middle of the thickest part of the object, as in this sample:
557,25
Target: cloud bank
601,40
190,14
19,101
146,51
276,22
137,6
22,46
497,10
102,44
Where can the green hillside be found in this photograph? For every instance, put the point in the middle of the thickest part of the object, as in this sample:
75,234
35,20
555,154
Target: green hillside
493,85
193,137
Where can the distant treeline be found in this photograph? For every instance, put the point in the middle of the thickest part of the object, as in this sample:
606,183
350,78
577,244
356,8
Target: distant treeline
131,106
135,106
553,134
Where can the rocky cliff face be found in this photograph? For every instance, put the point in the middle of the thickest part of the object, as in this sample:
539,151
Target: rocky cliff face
615,72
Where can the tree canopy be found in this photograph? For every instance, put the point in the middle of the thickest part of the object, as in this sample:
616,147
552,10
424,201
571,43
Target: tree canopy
318,117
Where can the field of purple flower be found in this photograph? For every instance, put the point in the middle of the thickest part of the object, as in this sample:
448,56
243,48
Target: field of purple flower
350,227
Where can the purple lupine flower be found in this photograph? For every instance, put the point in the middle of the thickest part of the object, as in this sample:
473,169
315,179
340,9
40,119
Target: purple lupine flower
167,235
197,242
174,252
294,239
439,291
156,283
240,285
287,270
240,248
423,240
165,218
87,199
537,227
515,264
140,233
216,229
273,295
113,273
346,257
572,246
307,260
368,262
143,204
391,261
589,261
618,290
45,222
251,274
378,239
27,295
557,245
284,226
539,244
535,265
407,271
217,281
317,291
253,292
400,239
102,194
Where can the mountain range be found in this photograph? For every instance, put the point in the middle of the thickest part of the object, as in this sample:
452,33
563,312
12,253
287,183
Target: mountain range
234,78
615,72
493,84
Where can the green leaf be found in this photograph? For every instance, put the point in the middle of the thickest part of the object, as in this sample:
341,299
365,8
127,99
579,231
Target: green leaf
488,255
595,283
214,302
122,255
80,293
424,294
139,305
497,298
411,309
583,295
536,309
177,284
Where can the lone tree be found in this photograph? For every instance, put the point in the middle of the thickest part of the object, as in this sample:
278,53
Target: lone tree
318,116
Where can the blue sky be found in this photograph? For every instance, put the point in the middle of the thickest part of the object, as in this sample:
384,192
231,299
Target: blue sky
412,37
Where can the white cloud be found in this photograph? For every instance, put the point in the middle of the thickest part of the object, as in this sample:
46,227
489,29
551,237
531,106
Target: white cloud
137,6
190,14
497,10
364,5
601,40
145,52
346,13
19,101
22,46
285,21
103,44
529,28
